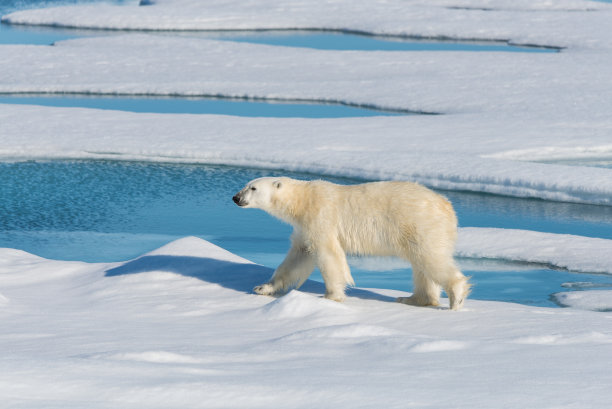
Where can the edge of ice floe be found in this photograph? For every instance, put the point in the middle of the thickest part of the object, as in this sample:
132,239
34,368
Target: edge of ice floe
592,300
565,251
506,178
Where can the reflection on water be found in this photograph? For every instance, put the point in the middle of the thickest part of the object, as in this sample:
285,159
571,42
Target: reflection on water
109,211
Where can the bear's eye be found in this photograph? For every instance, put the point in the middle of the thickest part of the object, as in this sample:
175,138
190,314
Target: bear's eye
253,188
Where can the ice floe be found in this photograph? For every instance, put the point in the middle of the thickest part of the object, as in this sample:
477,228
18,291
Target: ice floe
538,22
575,253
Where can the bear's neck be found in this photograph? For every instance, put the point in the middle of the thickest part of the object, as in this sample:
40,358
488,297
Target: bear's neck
290,206
287,212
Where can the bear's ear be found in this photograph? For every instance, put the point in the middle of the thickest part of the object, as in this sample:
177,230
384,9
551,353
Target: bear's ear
278,184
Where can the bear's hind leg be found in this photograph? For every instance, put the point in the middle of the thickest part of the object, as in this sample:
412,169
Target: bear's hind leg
426,292
458,291
293,271
442,269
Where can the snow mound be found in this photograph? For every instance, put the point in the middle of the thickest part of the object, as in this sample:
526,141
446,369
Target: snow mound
19,267
297,304
197,258
594,300
196,247
575,253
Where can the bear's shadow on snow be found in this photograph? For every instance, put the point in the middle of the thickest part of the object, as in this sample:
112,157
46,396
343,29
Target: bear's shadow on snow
240,277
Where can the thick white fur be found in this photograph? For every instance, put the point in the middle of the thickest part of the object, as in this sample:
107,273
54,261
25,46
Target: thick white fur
381,218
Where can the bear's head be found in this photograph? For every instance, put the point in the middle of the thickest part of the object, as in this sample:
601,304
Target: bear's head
260,193
282,197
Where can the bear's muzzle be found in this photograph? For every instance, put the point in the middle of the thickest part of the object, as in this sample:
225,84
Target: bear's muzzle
238,200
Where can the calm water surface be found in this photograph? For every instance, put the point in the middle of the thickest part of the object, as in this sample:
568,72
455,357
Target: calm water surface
100,211
203,105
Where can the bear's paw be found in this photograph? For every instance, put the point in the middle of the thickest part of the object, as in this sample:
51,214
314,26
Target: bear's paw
264,289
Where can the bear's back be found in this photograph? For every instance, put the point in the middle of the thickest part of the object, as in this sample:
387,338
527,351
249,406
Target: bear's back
380,217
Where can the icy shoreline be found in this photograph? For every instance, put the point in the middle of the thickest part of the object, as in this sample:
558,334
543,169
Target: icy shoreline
353,147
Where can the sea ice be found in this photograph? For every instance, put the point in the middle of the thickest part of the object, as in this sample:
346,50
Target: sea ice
410,148
106,335
178,327
594,300
575,253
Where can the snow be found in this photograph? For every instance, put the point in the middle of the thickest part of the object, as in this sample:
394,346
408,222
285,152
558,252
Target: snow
548,84
177,327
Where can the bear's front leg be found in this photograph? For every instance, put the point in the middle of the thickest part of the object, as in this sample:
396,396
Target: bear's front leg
293,271
334,269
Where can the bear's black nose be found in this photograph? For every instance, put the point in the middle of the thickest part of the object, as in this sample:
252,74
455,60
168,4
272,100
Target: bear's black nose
236,199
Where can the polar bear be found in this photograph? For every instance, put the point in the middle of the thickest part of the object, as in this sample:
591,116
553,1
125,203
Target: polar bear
401,219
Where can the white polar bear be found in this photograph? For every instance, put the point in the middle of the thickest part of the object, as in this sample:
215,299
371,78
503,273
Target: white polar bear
381,218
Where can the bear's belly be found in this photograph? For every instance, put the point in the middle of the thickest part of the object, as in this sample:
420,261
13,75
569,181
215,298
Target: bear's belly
370,241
